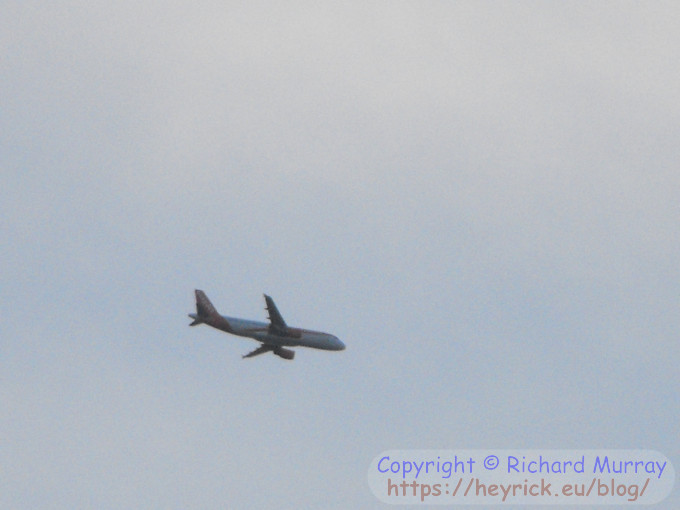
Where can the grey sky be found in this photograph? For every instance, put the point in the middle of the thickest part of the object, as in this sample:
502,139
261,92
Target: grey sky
479,199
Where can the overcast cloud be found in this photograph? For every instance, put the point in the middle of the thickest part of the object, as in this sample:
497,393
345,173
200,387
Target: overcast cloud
480,199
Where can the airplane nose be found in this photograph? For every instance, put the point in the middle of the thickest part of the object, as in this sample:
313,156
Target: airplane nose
338,343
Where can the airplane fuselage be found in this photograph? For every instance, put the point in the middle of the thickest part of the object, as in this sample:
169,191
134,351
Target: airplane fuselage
259,331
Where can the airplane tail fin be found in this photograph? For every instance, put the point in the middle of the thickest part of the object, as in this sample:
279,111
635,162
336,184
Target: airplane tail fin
205,311
204,307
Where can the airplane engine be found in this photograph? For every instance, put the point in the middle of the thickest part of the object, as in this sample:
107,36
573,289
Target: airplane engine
284,353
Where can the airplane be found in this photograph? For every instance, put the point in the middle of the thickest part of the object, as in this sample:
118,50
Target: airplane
275,336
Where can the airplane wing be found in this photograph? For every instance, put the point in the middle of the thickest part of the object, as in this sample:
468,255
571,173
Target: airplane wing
277,325
260,350
282,352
